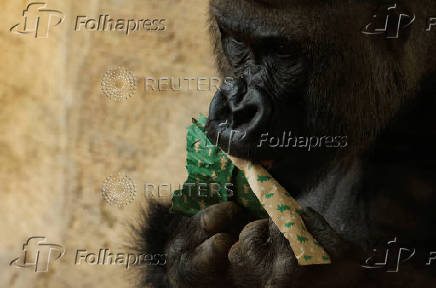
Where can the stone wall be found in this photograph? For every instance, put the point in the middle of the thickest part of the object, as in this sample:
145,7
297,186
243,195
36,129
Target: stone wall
61,138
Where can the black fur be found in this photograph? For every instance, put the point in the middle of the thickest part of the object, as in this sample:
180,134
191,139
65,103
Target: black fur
155,225
304,66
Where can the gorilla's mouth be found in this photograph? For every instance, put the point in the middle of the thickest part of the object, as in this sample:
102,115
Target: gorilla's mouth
237,116
242,116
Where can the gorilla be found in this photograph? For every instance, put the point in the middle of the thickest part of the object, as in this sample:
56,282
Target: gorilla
305,67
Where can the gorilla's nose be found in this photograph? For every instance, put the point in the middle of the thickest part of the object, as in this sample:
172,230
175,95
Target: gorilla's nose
237,115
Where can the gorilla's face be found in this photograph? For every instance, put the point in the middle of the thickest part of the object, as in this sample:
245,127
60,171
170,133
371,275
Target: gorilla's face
307,71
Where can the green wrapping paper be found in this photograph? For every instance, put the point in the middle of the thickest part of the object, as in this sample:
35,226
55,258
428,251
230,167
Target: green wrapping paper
214,178
208,164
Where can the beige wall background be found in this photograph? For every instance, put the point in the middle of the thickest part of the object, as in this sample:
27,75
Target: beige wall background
60,137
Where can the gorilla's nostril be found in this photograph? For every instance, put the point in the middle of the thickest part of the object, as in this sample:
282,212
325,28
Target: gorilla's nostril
244,116
234,86
237,114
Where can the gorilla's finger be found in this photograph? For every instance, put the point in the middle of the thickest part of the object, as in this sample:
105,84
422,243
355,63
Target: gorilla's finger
218,217
315,221
211,255
199,267
196,229
253,243
280,243
256,232
323,232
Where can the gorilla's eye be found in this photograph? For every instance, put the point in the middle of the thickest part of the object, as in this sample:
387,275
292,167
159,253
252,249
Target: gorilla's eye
236,51
236,42
283,48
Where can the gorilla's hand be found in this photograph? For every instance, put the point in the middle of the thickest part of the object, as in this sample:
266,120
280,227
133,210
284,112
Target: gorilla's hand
263,258
197,253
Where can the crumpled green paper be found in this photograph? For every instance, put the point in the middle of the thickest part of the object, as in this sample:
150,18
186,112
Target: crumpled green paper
259,193
206,163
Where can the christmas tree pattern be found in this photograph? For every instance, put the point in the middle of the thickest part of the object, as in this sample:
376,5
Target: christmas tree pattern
316,243
302,239
207,163
283,208
263,178
269,195
299,211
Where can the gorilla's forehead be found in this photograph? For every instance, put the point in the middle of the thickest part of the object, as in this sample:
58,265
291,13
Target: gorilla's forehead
292,19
